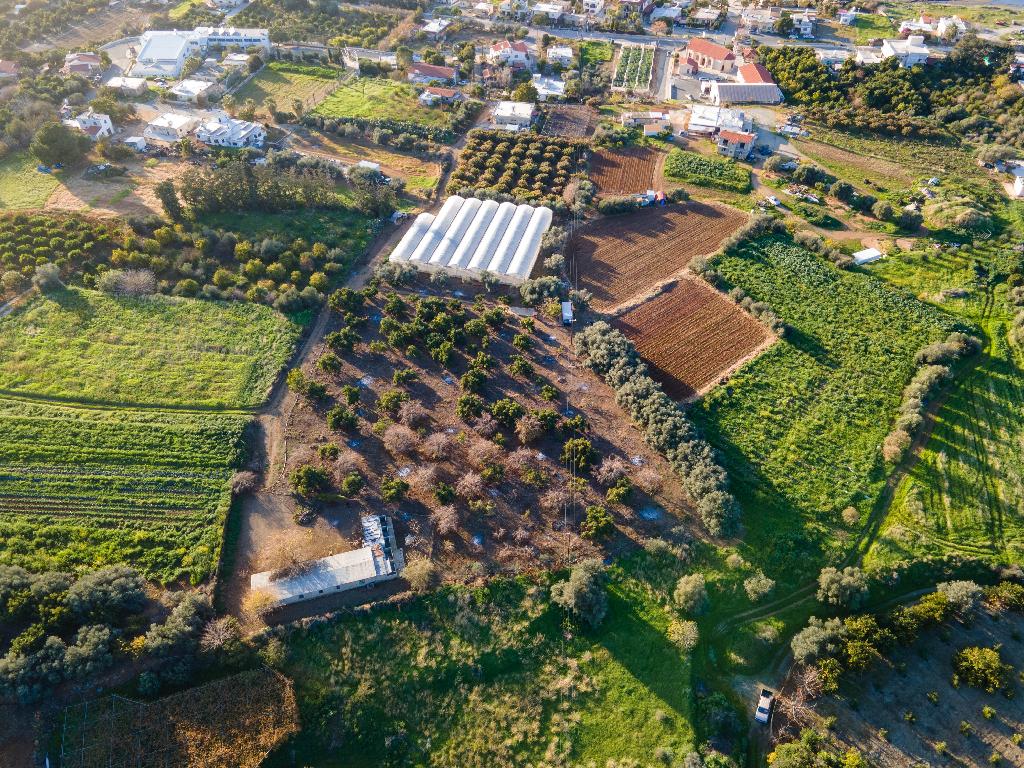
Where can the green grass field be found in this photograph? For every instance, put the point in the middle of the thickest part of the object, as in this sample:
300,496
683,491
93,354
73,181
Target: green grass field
85,346
707,171
21,185
379,98
336,229
867,26
486,677
284,82
83,487
801,425
596,52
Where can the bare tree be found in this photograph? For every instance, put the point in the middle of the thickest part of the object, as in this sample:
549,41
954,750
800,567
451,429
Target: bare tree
413,414
438,446
445,520
399,440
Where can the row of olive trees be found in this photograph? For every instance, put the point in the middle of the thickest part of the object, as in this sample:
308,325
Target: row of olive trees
665,427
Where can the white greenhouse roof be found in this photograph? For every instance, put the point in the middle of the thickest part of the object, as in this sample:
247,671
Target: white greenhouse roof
469,236
867,256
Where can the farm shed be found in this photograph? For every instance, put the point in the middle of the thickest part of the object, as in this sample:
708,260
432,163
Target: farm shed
379,559
867,256
468,237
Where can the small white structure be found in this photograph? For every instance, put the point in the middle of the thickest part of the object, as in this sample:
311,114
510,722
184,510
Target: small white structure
514,53
561,55
848,17
707,120
549,87
1018,181
379,559
867,256
909,52
170,126
468,237
128,86
138,143
225,131
236,61
95,125
436,29
513,115
192,90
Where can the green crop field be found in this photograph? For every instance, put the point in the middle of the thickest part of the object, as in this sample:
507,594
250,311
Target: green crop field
488,677
21,185
86,346
381,99
706,171
284,82
89,487
800,426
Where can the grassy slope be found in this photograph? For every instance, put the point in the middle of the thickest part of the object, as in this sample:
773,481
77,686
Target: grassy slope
86,346
21,185
379,98
485,677
280,82
800,426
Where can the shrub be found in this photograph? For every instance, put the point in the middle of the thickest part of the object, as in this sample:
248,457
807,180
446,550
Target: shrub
470,486
413,414
962,596
529,428
445,520
507,412
444,493
583,593
393,488
390,401
848,587
691,594
683,634
421,575
982,668
340,417
819,638
310,481
758,587
598,523
469,407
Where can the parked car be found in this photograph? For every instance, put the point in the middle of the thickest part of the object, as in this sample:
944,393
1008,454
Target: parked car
774,201
764,706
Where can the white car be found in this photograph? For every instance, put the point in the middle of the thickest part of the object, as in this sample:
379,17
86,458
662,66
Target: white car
773,200
764,706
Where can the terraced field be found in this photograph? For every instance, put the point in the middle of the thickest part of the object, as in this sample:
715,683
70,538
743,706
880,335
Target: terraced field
82,486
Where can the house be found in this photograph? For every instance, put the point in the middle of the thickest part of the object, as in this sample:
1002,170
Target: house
709,18
436,29
639,7
711,56
909,52
553,11
482,10
832,57
433,95
225,37
754,73
514,53
196,91
848,17
163,53
950,28
1018,181
9,70
138,143
707,120
350,58
170,126
85,63
128,86
513,115
224,131
561,55
865,55
741,93
224,5
633,119
735,144
236,61
549,87
593,8
945,28
378,560
756,20
515,9
95,125
803,23
430,73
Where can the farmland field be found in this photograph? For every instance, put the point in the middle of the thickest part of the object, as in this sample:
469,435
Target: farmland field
377,98
625,256
707,171
800,426
88,487
634,68
284,82
86,346
573,121
691,336
626,171
866,27
21,185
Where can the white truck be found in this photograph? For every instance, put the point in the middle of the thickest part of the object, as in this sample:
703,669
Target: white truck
765,703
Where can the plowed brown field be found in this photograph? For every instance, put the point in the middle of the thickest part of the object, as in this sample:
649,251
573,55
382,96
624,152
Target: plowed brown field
626,171
691,336
624,256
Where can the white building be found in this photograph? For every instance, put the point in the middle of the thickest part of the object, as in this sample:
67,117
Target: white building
848,17
236,60
514,53
947,27
832,57
668,13
224,37
707,120
193,91
803,23
436,29
735,144
561,55
593,8
909,52
513,115
350,57
865,55
224,131
225,5
549,87
554,11
95,125
170,126
468,237
138,143
378,560
163,53
128,86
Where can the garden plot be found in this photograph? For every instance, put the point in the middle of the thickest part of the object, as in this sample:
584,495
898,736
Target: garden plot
623,257
626,171
634,69
573,121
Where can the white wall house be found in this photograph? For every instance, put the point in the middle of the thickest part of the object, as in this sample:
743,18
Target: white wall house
128,86
909,52
593,7
163,53
561,55
513,115
735,144
514,53
549,87
95,125
803,23
193,91
224,131
170,126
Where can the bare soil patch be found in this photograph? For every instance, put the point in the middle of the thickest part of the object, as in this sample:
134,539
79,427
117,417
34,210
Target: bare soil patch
574,121
691,336
626,171
620,257
128,195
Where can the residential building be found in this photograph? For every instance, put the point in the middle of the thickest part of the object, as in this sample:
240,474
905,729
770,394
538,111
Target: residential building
482,10
84,63
95,125
138,143
945,28
1018,181
225,5
515,9
803,23
909,52
709,18
236,61
225,37
196,91
671,14
433,95
431,73
163,53
633,119
9,70
553,11
720,94
513,115
735,144
707,120
224,131
848,17
436,29
593,7
710,56
561,55
350,58
170,126
865,55
756,20
754,73
514,53
640,7
832,57
549,87
950,28
128,86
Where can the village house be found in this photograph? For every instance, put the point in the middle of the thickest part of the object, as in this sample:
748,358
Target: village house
513,115
95,125
803,23
195,91
84,63
433,95
848,17
431,73
709,18
756,20
436,29
549,87
633,119
170,127
944,28
641,7
553,11
710,56
561,55
909,52
513,53
705,120
128,86
735,144
593,8
832,57
236,61
224,131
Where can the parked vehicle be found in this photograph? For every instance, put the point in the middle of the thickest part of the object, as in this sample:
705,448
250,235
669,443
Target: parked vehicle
764,706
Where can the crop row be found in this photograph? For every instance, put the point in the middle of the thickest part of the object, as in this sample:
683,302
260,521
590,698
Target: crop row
634,67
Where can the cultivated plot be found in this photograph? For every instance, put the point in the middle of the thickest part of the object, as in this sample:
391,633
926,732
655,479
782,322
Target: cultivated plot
626,171
623,257
574,121
691,336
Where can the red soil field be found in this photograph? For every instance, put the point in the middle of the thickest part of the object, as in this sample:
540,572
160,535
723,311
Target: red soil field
620,257
626,171
691,336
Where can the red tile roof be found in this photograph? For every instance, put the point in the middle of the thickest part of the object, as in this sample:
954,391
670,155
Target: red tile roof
505,45
755,73
736,136
706,47
444,93
433,70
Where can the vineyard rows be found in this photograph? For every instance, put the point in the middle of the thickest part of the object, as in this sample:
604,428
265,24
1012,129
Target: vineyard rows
633,72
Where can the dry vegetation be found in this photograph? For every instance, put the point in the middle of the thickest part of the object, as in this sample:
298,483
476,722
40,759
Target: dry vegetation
626,171
573,121
692,336
621,257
